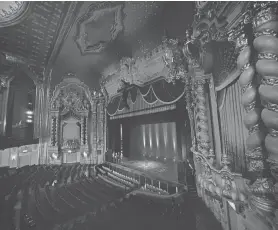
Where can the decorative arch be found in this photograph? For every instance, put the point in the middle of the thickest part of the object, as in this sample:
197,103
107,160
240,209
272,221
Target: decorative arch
70,108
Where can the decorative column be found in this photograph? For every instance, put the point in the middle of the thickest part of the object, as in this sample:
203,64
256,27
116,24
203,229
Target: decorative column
262,188
85,130
189,107
82,131
203,138
265,27
53,131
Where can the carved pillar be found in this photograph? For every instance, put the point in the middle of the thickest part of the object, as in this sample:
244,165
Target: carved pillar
53,130
265,26
262,189
86,130
82,139
189,106
203,138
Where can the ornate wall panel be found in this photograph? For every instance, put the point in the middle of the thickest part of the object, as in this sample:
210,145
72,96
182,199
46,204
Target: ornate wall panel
75,109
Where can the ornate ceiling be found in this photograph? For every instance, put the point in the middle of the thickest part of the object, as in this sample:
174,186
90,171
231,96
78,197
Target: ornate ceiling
106,32
29,31
85,38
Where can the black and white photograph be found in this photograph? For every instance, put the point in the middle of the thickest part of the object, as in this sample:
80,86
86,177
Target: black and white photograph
138,115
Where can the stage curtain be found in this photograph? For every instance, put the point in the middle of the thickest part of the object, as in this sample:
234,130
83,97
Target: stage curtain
160,91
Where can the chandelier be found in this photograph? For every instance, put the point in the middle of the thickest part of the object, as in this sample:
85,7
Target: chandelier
71,146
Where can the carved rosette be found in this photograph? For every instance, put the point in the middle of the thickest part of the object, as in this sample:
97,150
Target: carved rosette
202,118
265,26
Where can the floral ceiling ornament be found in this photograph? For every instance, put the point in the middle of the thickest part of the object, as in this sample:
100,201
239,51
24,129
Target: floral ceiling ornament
89,38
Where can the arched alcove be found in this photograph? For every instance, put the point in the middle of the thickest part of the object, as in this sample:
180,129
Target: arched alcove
20,109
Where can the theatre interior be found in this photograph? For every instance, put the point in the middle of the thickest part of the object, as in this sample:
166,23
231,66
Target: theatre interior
138,115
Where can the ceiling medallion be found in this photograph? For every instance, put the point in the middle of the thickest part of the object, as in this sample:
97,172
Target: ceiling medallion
12,13
100,25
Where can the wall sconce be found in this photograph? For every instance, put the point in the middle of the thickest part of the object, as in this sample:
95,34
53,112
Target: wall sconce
85,154
13,157
54,156
25,151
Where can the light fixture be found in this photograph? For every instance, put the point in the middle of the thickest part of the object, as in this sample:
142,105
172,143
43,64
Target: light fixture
25,151
29,121
29,112
85,154
29,117
69,151
54,156
13,157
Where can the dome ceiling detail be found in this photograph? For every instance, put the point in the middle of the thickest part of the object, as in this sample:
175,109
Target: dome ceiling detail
12,12
107,16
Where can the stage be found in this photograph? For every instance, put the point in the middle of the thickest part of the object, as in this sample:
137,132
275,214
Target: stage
167,171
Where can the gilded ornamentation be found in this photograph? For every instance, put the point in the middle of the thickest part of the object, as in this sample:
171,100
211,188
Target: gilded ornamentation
268,56
174,60
263,187
266,15
246,87
254,129
273,132
241,42
271,106
270,81
245,67
266,32
250,106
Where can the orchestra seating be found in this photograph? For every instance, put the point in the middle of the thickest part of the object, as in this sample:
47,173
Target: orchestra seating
77,197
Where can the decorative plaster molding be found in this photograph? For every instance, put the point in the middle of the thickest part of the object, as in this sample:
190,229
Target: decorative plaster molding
14,12
93,14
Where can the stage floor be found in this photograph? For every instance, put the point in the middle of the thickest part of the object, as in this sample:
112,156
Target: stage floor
166,171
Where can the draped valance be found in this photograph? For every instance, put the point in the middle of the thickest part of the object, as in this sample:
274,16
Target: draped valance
153,97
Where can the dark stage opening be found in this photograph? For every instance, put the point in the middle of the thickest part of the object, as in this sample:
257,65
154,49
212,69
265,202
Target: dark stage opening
156,143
